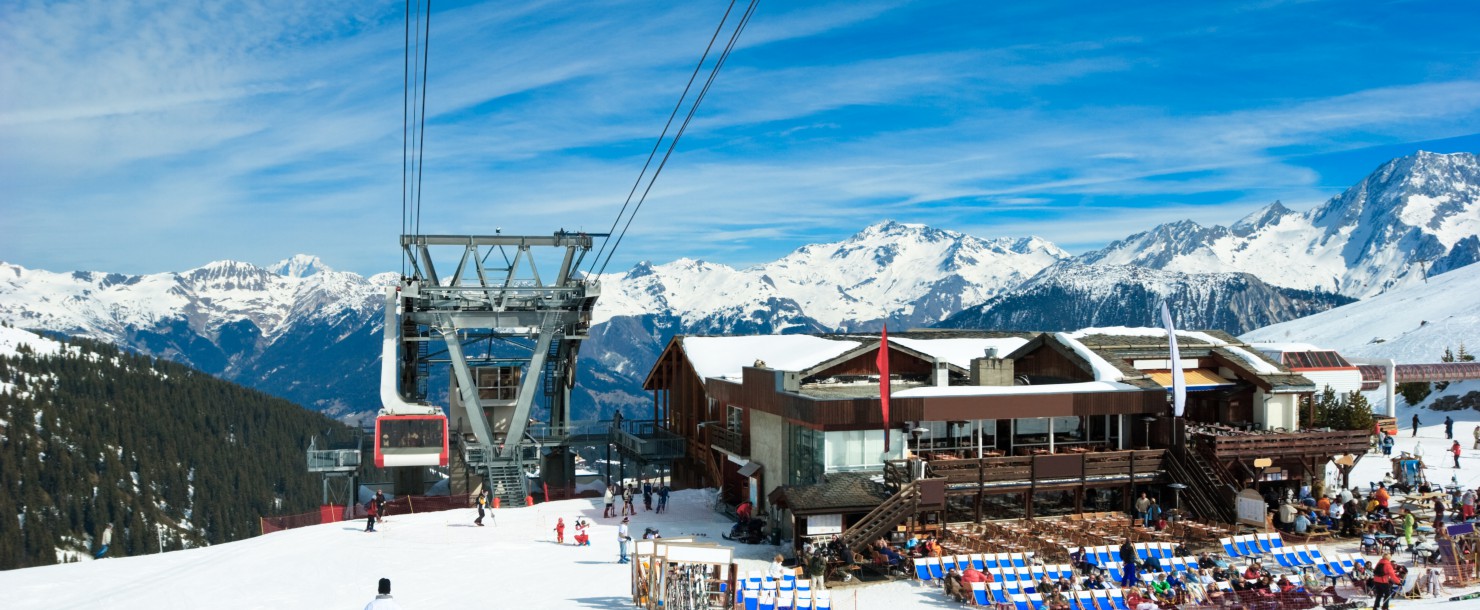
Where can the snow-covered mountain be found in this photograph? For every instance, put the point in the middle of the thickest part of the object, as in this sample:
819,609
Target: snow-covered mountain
1411,325
906,274
1414,216
297,329
1070,296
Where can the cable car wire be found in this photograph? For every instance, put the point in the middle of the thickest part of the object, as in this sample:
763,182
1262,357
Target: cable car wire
673,143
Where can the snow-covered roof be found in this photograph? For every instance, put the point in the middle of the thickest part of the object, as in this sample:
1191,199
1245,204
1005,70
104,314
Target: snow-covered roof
1104,371
1017,390
1281,348
960,351
726,357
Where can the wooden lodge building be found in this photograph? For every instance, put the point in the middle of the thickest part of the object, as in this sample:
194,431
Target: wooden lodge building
981,425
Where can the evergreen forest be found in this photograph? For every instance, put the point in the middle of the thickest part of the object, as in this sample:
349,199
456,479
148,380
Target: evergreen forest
169,456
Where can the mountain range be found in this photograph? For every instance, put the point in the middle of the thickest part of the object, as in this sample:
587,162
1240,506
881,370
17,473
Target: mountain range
301,330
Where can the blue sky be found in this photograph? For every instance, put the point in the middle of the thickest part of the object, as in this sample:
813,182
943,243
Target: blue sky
141,137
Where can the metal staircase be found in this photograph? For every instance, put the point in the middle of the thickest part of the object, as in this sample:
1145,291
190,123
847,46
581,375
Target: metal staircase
884,518
507,483
1208,493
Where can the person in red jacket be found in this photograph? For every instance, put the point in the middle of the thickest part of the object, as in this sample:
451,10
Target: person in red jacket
1455,450
560,530
370,513
1384,579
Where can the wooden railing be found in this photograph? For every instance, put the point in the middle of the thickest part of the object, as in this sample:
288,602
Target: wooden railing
724,438
1112,465
1285,444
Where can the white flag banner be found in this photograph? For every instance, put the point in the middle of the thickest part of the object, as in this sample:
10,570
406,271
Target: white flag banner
1179,383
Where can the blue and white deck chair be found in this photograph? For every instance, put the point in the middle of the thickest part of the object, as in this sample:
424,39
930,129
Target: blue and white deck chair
768,600
822,601
979,593
1315,554
1242,543
1266,542
922,571
1103,552
948,563
1102,599
1020,602
1026,580
1286,558
1052,571
1331,570
1276,540
1004,560
1007,575
1168,550
935,569
788,581
1229,548
1086,601
1116,574
978,562
752,599
784,600
1176,564
999,593
1142,553
1117,598
1347,562
989,561
1035,601
1019,560
1038,572
1302,552
804,584
804,600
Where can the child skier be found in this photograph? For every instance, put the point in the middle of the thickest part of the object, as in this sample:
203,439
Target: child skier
560,530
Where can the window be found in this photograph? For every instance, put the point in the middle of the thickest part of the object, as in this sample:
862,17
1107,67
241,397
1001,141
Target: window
1069,429
856,450
734,418
805,450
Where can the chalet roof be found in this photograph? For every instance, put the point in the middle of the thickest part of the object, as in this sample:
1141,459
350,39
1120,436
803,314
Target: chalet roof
724,357
1107,353
838,493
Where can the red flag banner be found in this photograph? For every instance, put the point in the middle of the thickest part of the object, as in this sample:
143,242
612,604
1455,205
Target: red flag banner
883,362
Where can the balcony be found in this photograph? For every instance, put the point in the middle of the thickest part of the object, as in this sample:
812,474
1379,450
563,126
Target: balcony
1239,445
724,438
1016,471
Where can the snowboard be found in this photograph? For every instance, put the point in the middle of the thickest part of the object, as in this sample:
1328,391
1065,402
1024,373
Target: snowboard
1475,595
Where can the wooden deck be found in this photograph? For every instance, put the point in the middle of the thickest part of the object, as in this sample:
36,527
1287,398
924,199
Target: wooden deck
1028,471
1284,444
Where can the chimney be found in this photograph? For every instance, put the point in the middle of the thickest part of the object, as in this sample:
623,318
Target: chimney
991,370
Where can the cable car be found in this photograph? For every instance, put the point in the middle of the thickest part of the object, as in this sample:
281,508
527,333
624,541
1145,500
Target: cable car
410,440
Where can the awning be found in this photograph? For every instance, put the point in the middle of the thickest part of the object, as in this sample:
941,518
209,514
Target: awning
750,469
1197,379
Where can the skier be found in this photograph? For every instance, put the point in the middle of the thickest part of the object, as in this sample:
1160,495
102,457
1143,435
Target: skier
622,538
581,537
482,506
1387,443
106,539
560,530
370,515
1448,427
1415,424
379,506
383,600
627,507
1455,449
663,496
609,500
647,495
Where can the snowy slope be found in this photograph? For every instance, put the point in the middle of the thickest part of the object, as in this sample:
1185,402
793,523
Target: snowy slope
1411,325
1384,232
911,275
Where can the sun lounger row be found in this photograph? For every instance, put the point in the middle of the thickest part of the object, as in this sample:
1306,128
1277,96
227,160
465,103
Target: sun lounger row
991,593
933,568
801,599
761,582
1100,555
1251,544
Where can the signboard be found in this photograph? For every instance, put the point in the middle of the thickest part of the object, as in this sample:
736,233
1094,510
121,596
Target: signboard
1251,508
822,525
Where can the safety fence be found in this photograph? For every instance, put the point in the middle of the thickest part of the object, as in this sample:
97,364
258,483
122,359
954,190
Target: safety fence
330,513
